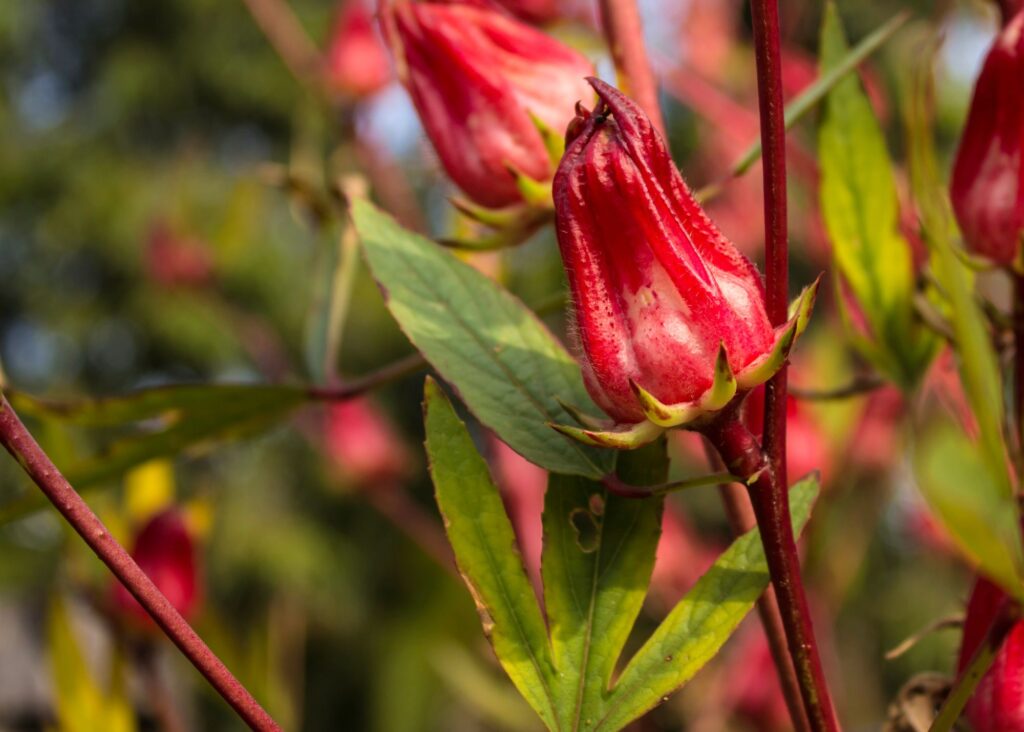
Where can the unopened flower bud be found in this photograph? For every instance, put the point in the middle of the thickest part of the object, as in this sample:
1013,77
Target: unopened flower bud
165,551
997,704
356,61
671,317
987,186
481,82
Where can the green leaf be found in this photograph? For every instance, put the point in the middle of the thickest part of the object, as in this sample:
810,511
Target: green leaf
598,556
485,551
976,357
981,520
505,364
156,423
861,211
699,625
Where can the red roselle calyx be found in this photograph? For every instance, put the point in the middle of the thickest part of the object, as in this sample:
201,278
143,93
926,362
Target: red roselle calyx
165,551
671,317
356,62
987,186
998,701
486,86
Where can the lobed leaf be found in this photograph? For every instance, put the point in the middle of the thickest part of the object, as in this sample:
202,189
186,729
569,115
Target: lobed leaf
485,551
598,556
699,624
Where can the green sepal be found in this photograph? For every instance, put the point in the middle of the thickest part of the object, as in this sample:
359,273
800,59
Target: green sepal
626,437
554,143
768,365
724,386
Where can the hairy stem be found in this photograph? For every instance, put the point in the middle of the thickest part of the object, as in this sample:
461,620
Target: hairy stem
23,447
743,456
621,22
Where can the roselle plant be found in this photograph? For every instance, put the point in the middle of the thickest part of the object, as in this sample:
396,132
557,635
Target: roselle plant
600,355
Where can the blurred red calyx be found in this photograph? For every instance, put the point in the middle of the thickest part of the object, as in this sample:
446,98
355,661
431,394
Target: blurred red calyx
363,445
532,11
356,61
998,701
176,261
478,78
670,316
165,551
987,186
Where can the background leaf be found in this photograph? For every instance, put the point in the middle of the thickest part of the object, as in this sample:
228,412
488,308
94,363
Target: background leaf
598,556
861,211
980,519
485,550
976,358
156,423
505,364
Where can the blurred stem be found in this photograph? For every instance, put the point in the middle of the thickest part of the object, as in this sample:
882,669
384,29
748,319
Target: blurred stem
23,447
741,520
1018,366
976,669
344,278
624,33
743,456
157,693
860,385
289,39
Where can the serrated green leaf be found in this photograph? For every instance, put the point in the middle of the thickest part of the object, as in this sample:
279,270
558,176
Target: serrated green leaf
861,211
508,368
699,625
981,521
976,358
485,550
598,556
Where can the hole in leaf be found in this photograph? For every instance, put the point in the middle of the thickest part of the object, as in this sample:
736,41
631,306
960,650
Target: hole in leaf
586,528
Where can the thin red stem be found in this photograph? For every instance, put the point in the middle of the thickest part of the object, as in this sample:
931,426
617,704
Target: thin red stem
743,456
22,446
624,33
741,519
1018,363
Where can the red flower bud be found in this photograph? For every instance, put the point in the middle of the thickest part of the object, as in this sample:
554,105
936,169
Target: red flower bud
363,446
532,11
998,702
165,552
670,316
476,76
356,60
176,261
987,187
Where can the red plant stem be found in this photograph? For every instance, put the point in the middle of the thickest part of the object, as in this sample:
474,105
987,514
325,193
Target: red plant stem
765,16
1018,364
743,456
741,520
22,446
621,22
